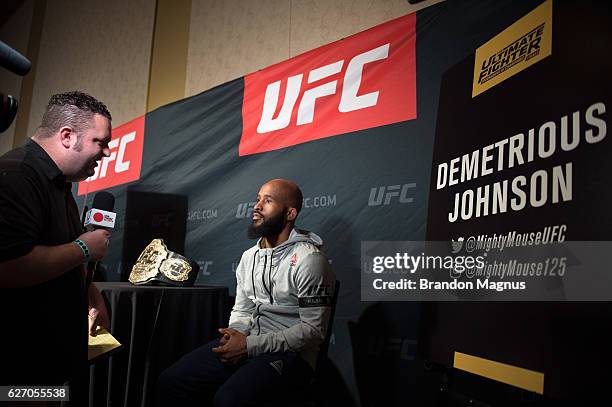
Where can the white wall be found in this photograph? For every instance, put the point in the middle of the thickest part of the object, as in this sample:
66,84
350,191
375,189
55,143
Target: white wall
104,47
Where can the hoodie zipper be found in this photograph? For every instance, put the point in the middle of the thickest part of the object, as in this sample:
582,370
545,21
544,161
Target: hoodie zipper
258,316
270,277
253,273
263,273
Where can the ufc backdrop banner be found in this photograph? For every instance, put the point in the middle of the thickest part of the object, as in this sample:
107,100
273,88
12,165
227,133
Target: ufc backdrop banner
466,119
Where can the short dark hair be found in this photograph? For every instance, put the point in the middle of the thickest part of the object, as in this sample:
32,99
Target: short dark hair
75,109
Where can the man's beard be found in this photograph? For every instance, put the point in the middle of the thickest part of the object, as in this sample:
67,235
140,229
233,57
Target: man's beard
270,227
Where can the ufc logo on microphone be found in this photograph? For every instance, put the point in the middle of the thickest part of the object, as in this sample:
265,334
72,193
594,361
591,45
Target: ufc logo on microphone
124,162
363,81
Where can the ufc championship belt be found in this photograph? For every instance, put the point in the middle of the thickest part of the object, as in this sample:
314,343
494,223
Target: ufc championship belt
157,265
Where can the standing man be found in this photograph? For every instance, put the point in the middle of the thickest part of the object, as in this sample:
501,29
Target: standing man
43,303
283,304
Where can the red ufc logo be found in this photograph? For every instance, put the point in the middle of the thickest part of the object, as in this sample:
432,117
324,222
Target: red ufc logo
363,81
349,100
124,162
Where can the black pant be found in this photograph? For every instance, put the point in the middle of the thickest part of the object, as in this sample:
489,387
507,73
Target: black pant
201,379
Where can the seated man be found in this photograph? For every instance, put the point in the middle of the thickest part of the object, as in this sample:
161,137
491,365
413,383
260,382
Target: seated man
283,303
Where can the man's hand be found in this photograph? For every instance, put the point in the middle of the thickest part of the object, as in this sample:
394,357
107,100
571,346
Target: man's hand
98,315
232,346
97,243
225,337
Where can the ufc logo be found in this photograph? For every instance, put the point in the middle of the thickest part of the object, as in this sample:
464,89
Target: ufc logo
162,220
117,156
318,290
403,348
362,81
349,100
384,195
204,267
245,210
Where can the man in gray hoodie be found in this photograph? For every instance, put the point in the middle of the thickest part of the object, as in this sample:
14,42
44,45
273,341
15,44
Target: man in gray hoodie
283,302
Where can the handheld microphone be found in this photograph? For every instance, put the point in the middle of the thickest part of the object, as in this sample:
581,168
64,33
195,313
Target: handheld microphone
100,216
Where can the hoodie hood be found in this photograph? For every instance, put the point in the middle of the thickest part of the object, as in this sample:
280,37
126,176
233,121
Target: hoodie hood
296,236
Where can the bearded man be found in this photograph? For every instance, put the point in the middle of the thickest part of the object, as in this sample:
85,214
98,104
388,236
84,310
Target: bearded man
283,303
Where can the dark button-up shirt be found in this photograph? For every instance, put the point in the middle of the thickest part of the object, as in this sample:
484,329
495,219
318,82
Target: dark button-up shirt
44,327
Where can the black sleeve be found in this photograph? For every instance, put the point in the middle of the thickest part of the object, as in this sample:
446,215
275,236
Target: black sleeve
21,212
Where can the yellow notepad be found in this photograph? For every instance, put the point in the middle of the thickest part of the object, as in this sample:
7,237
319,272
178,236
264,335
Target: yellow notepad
101,344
